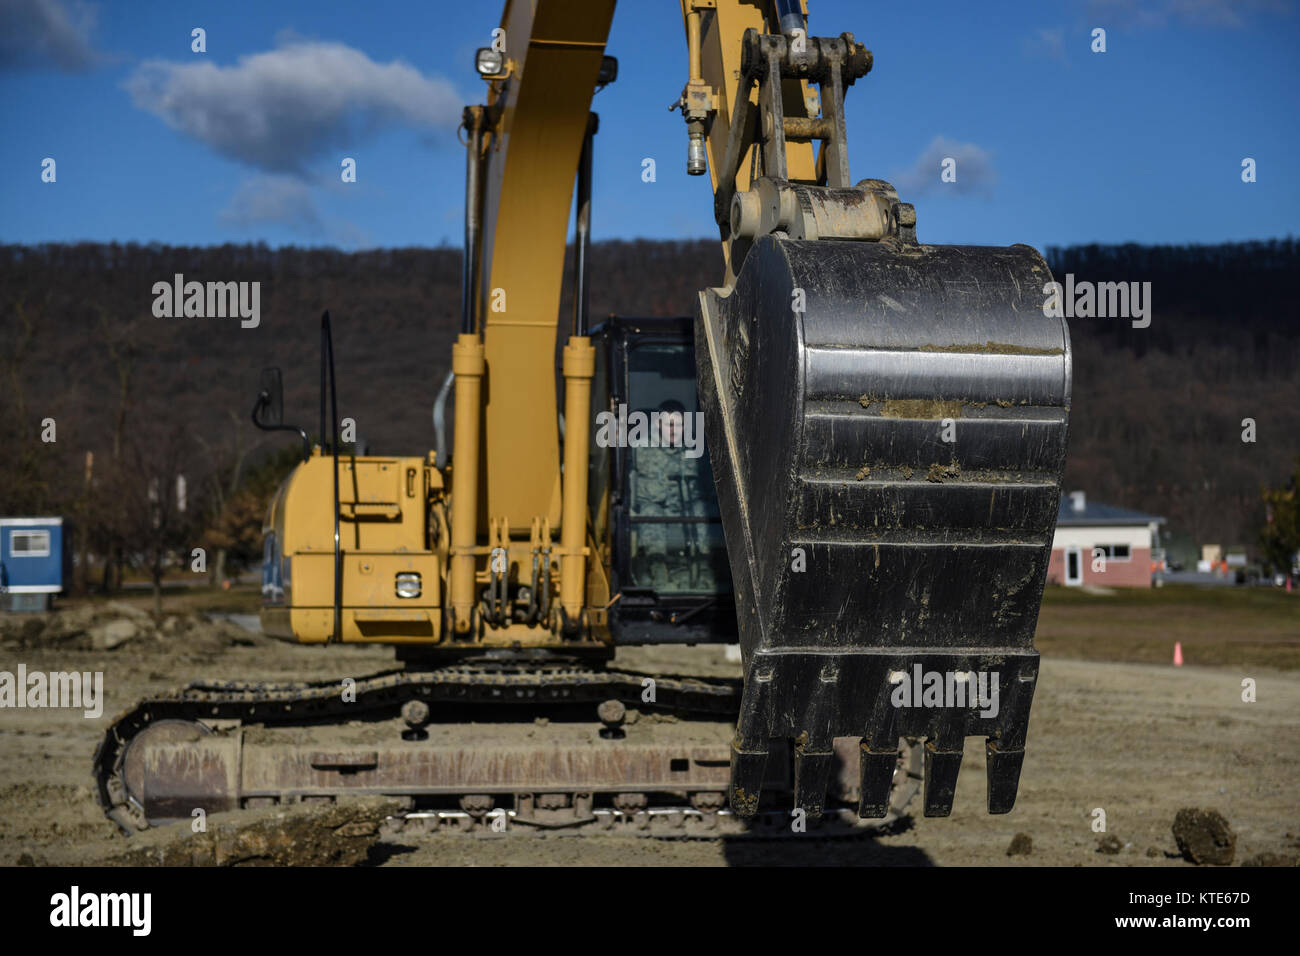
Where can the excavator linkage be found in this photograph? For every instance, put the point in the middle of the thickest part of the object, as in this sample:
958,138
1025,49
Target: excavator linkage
887,427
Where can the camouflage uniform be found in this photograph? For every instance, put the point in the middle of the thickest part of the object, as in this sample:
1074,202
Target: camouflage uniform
667,483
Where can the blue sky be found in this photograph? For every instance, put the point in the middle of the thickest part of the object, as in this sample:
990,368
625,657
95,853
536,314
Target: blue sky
1055,144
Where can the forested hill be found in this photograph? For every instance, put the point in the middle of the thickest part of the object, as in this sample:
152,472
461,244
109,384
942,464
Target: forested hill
1157,411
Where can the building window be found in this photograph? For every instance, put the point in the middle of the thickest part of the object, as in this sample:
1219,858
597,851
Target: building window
1114,552
29,544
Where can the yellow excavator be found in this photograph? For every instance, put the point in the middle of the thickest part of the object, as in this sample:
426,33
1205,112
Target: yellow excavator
848,462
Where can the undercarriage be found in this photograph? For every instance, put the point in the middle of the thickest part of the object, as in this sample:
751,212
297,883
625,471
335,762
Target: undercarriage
606,751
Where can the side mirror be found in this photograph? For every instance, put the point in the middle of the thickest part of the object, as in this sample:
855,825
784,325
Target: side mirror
270,398
268,412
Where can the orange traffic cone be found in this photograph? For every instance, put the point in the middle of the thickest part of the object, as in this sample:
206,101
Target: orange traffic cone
1178,653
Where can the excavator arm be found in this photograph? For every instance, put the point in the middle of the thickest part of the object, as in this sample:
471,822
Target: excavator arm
524,147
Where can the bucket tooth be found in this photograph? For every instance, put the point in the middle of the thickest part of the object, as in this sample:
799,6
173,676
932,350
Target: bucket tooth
811,774
815,745
1003,777
877,773
941,770
749,749
748,768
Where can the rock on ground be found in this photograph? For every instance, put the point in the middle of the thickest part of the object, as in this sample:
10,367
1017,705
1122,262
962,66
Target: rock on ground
1021,845
1110,845
1204,836
105,637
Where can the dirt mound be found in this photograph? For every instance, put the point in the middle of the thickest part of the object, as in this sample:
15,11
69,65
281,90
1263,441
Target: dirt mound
333,834
107,627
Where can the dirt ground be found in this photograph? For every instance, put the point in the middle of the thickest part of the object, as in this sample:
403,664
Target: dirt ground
1137,740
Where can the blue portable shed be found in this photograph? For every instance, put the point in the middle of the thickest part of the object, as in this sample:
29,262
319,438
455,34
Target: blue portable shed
31,562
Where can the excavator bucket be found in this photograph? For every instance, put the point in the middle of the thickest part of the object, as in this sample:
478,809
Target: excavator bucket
887,428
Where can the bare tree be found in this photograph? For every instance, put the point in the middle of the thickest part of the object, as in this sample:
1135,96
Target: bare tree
233,456
122,350
158,522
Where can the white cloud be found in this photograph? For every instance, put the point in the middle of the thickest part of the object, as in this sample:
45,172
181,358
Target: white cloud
279,199
274,200
974,169
37,33
277,110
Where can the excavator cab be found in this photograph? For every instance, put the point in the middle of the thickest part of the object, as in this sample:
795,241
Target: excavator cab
652,479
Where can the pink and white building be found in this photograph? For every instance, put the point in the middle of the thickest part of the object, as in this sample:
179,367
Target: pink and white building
1103,545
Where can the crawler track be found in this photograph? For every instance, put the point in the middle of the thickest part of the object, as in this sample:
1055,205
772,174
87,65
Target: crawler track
194,741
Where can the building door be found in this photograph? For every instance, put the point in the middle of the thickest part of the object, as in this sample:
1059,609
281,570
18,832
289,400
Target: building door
1073,567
